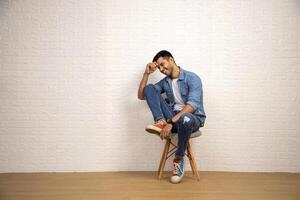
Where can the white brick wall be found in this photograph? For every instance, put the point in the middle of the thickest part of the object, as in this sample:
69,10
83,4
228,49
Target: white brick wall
70,72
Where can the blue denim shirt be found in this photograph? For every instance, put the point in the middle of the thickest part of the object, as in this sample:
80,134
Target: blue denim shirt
190,86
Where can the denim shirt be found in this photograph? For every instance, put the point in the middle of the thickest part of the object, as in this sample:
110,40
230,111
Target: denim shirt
190,87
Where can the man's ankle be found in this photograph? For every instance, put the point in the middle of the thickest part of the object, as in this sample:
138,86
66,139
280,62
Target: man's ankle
178,158
161,121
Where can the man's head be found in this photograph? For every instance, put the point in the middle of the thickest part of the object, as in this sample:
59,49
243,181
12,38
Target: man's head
165,62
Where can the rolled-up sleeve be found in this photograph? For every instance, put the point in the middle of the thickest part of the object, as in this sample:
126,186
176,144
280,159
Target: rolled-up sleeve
195,92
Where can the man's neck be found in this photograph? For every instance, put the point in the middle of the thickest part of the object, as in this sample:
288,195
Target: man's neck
176,72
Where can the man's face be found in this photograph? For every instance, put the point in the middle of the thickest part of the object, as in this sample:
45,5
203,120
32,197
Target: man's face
165,65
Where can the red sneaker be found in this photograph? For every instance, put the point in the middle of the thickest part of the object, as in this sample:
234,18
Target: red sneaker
156,128
178,171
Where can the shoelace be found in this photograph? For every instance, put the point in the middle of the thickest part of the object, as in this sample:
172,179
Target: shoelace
176,167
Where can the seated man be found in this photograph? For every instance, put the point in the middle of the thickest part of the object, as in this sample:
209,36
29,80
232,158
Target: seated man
183,113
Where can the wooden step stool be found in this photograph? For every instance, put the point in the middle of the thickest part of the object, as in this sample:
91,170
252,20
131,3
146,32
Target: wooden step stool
167,153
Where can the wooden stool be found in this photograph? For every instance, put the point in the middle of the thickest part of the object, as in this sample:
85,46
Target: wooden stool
167,153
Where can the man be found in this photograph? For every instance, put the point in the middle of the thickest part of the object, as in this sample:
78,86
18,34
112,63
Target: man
181,112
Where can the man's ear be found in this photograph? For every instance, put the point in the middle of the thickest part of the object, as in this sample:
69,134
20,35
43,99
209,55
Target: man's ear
170,59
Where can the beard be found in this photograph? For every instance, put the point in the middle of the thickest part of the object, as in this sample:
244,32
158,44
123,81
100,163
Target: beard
169,71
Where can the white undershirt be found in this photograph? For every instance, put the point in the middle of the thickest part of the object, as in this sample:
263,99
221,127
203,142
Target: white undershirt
179,104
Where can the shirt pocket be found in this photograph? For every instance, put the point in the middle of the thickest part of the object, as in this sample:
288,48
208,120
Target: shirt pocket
184,89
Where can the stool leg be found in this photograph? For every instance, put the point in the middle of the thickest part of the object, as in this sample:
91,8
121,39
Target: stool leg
192,161
163,158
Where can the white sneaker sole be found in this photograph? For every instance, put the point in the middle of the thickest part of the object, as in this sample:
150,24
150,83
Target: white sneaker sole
153,129
176,179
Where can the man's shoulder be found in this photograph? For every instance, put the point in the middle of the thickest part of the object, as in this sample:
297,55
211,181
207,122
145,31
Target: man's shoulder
190,74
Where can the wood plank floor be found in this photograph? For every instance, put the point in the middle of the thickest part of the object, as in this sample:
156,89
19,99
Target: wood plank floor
144,185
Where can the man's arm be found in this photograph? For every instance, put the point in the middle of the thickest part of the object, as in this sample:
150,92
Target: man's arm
142,85
150,68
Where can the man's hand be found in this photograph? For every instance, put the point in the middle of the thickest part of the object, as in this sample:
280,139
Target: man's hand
150,68
165,132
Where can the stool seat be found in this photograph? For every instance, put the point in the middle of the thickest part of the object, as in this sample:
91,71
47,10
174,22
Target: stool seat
197,133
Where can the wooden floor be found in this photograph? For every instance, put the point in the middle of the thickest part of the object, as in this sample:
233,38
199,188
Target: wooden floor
144,185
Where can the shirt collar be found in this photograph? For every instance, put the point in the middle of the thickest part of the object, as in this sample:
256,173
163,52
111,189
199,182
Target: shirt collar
181,74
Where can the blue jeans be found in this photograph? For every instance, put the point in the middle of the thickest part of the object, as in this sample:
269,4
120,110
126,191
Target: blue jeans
185,126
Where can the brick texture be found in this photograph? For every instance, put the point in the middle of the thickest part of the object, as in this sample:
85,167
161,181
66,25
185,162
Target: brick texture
69,74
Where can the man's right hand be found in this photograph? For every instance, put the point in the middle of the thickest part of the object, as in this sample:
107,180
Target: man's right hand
150,68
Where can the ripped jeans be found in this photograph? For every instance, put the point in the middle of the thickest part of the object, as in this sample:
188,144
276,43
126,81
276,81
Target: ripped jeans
184,127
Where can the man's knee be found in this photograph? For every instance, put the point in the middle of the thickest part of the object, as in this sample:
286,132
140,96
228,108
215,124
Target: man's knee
186,121
148,87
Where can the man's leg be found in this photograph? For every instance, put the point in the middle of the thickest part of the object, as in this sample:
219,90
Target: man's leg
186,125
158,106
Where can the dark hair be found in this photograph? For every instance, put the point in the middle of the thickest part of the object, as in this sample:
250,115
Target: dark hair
162,53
